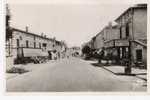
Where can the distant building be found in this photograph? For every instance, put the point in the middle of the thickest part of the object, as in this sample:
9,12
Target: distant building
75,51
104,38
60,48
111,35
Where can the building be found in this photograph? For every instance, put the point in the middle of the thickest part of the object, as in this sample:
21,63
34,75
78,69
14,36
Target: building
60,47
23,46
75,51
103,38
133,33
98,40
26,45
127,39
89,44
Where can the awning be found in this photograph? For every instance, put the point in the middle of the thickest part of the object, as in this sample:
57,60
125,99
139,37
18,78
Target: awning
31,52
140,43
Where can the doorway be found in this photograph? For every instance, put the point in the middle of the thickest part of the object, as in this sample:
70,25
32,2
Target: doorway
139,55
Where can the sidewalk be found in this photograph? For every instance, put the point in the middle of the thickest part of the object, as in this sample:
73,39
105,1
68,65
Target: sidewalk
30,67
119,70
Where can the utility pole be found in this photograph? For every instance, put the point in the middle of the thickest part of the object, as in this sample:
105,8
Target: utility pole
129,61
128,69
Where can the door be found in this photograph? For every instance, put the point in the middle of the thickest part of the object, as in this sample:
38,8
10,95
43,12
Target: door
139,55
17,44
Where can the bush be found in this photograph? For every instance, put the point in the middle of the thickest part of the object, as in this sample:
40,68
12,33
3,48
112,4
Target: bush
86,50
17,70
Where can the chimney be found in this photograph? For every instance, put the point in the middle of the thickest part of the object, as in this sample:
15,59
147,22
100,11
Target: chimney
42,34
27,29
110,24
45,36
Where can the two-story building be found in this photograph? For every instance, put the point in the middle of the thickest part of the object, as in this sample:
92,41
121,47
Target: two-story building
133,33
128,38
111,37
75,51
26,45
104,39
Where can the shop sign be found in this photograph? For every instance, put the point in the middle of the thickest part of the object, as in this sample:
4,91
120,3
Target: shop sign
109,44
121,43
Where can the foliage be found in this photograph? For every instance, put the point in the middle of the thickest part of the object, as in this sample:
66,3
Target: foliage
16,70
86,50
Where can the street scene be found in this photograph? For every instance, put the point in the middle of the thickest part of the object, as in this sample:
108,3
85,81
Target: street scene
76,47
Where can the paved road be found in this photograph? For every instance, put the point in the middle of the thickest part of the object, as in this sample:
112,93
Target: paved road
71,74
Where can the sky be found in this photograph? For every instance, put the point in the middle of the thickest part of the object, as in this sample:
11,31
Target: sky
73,21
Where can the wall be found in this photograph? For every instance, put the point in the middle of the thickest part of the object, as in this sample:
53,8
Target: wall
112,33
22,38
140,23
123,20
144,52
31,38
137,30
140,32
99,40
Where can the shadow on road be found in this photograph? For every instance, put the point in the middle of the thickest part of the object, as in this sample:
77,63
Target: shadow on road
97,65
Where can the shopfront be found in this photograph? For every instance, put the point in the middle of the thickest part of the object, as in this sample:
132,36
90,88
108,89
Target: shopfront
117,49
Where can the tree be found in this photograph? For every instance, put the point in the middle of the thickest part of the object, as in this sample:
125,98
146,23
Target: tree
86,50
8,29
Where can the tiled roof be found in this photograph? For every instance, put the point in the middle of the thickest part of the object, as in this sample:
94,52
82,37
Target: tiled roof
19,30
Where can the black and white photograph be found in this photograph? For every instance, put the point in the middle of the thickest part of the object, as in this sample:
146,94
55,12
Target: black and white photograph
76,46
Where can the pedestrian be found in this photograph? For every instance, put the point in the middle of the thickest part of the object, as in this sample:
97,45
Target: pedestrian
101,56
58,55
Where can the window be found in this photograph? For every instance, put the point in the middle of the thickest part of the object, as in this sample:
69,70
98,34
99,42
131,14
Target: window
40,45
18,44
127,52
20,37
27,43
34,44
44,44
127,30
120,52
120,33
34,37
